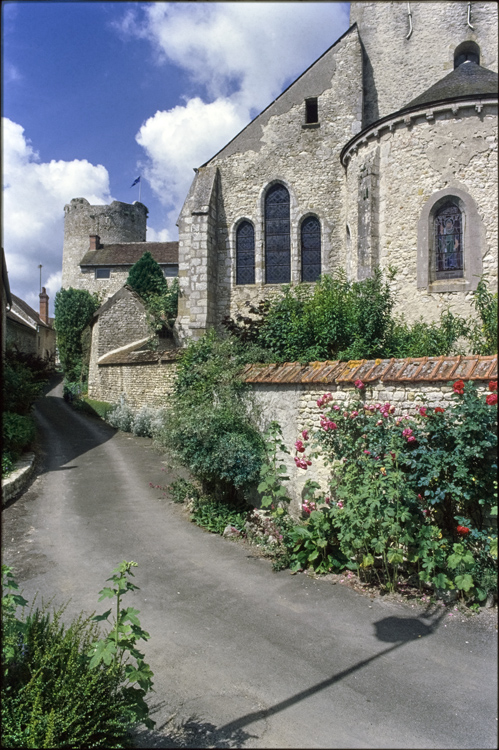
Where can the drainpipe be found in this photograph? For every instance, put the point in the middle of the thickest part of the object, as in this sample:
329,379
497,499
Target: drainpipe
469,17
410,20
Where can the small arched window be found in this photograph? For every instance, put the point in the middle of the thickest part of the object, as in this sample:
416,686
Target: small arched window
310,249
245,253
277,236
448,228
467,52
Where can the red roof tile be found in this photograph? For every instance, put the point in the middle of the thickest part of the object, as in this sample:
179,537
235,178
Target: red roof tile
414,370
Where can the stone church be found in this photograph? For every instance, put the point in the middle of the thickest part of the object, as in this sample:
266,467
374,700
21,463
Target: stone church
382,153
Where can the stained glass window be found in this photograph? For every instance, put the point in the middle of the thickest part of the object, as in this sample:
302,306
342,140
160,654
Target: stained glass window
277,236
448,242
245,253
310,249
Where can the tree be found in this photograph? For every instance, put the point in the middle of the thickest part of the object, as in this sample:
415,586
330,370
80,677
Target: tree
74,309
146,277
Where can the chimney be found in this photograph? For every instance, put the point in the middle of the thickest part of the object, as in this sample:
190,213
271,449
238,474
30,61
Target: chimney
94,242
44,306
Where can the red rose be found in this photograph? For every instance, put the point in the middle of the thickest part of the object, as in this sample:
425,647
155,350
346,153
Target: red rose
459,387
462,530
439,410
493,385
491,399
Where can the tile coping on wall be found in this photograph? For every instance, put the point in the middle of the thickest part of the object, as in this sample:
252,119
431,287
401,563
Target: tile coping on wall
421,369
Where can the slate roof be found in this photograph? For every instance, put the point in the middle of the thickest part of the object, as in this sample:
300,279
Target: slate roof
415,370
468,80
128,253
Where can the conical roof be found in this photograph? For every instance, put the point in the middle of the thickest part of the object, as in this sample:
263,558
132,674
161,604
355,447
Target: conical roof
469,79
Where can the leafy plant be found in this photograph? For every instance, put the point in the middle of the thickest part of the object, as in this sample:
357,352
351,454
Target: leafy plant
182,490
272,474
74,309
115,649
215,516
483,333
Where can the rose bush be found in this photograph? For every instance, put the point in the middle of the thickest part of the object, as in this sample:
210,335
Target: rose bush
413,494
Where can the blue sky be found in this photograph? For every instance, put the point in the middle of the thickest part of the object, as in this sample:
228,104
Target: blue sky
95,94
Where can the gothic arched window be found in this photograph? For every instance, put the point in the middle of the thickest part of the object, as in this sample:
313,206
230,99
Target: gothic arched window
448,228
245,253
310,249
277,236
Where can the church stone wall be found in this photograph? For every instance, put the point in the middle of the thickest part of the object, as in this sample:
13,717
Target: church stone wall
397,69
453,151
277,146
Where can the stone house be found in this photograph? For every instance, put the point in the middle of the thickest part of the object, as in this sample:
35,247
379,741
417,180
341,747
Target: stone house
29,331
126,356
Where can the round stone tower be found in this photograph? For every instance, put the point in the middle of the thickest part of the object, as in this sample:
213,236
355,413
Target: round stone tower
409,46
116,223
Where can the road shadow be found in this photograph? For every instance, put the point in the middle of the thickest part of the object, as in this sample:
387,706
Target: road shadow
193,733
64,433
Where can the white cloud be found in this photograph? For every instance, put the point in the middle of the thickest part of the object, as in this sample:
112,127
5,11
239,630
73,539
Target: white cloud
181,139
240,56
34,195
248,51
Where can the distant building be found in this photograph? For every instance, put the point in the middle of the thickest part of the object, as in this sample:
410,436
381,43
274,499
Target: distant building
102,243
29,331
6,301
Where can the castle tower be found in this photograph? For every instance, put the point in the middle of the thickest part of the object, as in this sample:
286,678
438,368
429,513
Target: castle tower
409,46
116,223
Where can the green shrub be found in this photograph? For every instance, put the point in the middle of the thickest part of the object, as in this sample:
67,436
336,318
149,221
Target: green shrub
210,425
423,339
18,432
340,319
51,698
19,387
74,309
63,686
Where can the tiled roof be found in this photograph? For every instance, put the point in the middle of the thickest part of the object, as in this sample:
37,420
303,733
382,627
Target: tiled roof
469,79
415,370
128,253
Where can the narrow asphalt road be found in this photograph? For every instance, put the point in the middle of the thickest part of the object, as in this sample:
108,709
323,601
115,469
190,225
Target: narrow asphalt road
242,656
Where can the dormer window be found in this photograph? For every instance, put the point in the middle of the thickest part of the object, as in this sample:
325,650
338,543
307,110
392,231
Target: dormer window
311,111
467,52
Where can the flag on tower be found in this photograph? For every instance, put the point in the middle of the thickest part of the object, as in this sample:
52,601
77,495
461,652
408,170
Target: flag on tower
135,182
